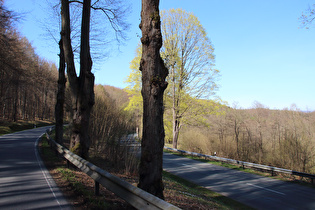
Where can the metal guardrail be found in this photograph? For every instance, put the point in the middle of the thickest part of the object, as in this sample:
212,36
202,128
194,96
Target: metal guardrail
248,164
136,197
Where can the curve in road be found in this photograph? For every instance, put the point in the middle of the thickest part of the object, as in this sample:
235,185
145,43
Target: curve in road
253,190
25,182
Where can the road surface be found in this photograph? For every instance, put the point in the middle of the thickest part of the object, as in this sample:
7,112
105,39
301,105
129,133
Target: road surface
252,190
24,181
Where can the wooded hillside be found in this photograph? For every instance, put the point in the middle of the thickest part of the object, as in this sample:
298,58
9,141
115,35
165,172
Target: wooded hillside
120,96
27,81
282,138
28,85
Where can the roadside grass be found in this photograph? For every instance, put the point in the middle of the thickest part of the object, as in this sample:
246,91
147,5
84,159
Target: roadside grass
199,197
179,192
283,177
75,185
11,127
95,202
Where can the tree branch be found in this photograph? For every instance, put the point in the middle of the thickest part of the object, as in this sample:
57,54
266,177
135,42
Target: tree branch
110,14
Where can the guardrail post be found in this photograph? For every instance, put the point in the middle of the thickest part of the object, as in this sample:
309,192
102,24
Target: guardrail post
272,172
97,188
68,164
57,153
47,139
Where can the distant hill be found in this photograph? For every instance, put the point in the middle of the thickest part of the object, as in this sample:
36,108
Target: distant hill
120,96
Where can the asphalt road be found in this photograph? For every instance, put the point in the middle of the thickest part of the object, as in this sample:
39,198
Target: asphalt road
252,190
25,183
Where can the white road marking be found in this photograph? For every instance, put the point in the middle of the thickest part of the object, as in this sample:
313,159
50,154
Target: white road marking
39,161
265,189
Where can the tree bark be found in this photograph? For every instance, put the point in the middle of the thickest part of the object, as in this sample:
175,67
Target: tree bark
82,87
154,73
175,111
176,128
176,104
59,108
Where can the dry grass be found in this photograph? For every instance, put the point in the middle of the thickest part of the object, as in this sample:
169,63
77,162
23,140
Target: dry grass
79,188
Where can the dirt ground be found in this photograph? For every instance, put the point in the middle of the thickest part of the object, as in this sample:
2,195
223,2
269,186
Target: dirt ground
78,188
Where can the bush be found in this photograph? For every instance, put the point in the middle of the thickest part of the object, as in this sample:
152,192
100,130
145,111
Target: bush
109,124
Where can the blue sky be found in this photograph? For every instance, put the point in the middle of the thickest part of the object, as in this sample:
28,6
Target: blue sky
261,51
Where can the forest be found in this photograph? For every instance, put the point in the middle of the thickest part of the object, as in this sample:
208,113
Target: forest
27,81
28,88
281,138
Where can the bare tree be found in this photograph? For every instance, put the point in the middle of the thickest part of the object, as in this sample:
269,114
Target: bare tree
26,81
82,86
308,17
59,108
153,86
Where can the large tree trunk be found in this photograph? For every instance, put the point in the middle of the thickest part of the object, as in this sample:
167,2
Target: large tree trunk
82,87
59,108
153,85
80,140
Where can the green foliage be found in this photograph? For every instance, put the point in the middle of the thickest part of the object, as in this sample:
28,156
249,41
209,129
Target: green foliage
76,148
134,84
188,54
4,130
